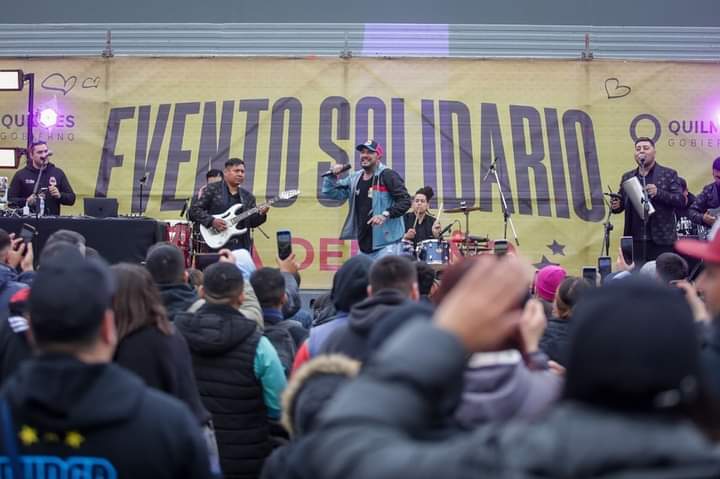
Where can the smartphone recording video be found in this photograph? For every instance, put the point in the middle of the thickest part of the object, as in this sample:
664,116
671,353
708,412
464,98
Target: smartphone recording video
284,244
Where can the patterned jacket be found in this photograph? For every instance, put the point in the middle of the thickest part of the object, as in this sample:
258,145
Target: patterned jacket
669,198
707,199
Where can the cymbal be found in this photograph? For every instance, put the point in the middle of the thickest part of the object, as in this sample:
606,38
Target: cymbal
462,210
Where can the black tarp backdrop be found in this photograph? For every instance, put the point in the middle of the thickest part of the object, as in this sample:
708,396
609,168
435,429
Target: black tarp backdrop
691,13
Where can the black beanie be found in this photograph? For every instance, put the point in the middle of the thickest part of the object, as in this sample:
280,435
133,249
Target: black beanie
633,345
350,282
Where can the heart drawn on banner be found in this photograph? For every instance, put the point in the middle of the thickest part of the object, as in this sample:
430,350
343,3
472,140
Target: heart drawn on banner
615,90
57,82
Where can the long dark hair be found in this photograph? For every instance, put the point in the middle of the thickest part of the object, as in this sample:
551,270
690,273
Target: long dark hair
137,302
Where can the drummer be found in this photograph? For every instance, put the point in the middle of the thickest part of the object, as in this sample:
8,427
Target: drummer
419,225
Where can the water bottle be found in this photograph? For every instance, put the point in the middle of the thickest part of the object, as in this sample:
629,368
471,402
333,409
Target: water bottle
41,210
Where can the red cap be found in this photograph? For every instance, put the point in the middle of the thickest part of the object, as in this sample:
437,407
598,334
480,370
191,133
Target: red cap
705,250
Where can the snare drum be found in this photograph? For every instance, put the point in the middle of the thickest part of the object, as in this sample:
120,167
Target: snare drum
434,252
179,233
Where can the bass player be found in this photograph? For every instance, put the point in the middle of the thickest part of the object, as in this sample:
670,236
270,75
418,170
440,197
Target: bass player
220,196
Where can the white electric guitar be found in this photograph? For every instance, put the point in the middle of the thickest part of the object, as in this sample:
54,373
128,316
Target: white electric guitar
217,239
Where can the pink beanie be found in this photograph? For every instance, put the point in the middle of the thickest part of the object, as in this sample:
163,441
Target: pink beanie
548,280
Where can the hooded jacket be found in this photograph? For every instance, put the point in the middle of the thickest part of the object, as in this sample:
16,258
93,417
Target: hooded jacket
223,345
100,418
352,339
389,194
177,298
372,425
23,184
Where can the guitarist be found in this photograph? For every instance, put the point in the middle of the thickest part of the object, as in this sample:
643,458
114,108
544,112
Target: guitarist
220,196
702,210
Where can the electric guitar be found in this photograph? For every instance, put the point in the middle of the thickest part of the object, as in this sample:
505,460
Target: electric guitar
217,239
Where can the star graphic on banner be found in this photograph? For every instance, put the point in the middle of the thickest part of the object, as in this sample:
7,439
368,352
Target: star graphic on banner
557,248
544,262
28,435
74,439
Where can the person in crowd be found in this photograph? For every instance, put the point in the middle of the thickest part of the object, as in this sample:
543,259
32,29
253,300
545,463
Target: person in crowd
427,281
515,382
349,287
547,281
309,391
671,267
212,176
15,346
15,255
52,184
218,197
148,343
70,409
665,194
707,312
684,223
393,284
286,335
322,309
237,369
555,340
377,200
419,224
68,236
195,278
704,210
166,264
619,414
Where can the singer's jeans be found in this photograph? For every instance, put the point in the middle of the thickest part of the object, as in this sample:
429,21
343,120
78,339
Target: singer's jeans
391,249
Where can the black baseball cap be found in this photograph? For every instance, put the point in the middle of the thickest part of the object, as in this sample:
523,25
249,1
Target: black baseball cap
68,298
371,145
222,280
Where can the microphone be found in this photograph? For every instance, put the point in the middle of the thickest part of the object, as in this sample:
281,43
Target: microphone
641,157
184,208
446,229
612,195
144,178
345,167
492,167
50,153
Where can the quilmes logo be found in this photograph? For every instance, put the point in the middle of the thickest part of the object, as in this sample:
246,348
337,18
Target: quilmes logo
681,133
13,127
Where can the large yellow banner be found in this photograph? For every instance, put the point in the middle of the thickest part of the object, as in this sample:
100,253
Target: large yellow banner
562,133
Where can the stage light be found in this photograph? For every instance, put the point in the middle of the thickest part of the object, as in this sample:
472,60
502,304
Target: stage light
11,80
48,118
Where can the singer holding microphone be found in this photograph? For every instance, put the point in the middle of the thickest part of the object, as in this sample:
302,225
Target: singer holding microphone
40,183
665,194
377,200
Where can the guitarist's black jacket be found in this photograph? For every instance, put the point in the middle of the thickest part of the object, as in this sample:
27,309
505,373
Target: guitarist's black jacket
217,199
708,199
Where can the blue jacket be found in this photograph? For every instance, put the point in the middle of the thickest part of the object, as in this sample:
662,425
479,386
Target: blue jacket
389,194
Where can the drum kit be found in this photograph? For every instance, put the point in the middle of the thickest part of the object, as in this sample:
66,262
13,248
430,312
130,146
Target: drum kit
186,236
440,253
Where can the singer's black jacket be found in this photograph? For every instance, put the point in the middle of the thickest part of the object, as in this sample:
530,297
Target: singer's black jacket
23,184
669,198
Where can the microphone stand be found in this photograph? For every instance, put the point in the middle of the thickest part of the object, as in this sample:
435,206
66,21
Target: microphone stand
142,184
506,214
646,209
608,226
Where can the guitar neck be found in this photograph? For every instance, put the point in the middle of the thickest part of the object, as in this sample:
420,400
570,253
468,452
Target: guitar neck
246,214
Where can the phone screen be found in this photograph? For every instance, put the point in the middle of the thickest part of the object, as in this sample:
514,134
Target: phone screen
27,233
284,244
626,245
604,266
589,273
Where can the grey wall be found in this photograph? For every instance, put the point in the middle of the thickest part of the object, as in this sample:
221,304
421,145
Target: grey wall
531,12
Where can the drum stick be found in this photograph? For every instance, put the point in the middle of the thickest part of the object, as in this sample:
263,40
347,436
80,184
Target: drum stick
416,219
440,210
